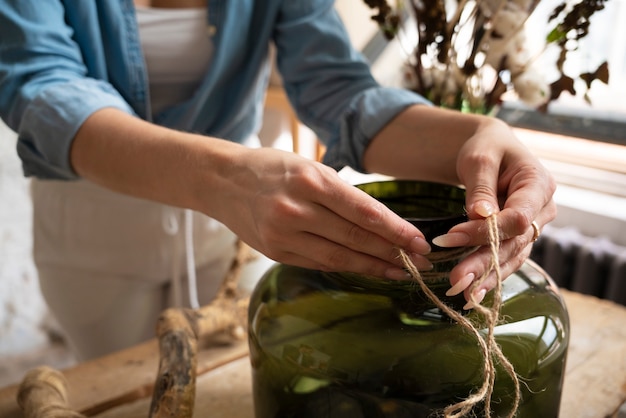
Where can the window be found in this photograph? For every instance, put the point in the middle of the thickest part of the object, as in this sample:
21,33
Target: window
605,118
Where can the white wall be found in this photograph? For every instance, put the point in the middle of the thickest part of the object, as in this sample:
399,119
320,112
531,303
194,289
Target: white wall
356,17
21,307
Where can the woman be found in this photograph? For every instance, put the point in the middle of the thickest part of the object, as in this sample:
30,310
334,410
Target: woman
128,111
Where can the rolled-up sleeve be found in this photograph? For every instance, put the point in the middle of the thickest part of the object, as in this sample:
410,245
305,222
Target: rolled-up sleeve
363,119
330,83
45,93
52,118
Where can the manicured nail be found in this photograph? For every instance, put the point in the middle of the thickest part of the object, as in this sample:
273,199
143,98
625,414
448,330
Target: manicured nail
461,285
397,274
453,239
484,208
478,297
419,245
421,263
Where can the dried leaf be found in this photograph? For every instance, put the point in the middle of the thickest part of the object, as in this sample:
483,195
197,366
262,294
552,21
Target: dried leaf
564,83
601,74
438,23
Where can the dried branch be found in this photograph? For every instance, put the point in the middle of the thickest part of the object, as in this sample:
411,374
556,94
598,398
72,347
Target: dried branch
387,19
571,26
178,332
43,394
470,53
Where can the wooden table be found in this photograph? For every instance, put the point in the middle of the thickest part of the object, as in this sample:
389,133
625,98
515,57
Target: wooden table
120,385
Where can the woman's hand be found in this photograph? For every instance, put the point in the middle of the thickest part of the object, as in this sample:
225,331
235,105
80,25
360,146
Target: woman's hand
502,177
500,174
301,212
292,209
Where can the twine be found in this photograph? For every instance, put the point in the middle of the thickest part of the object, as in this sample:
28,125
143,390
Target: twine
490,350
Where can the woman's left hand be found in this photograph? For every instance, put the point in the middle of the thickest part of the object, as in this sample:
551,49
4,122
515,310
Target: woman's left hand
502,178
501,175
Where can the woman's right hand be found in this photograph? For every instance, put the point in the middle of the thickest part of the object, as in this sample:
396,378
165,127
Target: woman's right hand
301,212
292,209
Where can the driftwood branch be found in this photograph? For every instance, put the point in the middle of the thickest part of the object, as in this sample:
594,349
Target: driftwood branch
43,391
174,391
178,332
43,394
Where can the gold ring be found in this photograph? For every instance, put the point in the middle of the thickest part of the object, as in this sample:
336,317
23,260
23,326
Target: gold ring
536,231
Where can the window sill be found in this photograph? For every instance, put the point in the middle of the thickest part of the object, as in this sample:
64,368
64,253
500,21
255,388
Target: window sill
591,178
584,163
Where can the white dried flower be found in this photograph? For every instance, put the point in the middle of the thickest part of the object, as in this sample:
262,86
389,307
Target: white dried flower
517,55
517,63
509,20
495,52
432,78
510,53
523,4
531,88
489,7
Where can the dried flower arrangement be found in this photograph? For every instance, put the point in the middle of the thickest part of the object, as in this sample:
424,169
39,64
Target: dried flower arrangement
469,53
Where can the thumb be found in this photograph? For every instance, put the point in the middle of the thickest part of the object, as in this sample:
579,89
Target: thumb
481,195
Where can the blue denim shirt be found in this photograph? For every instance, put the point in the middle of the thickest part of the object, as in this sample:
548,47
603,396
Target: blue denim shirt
62,60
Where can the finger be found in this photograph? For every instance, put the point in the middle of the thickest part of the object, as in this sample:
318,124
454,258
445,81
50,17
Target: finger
312,251
511,223
299,223
481,185
359,208
347,234
529,188
530,191
506,269
511,255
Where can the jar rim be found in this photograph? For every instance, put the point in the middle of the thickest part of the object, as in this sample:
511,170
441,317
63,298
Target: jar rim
432,207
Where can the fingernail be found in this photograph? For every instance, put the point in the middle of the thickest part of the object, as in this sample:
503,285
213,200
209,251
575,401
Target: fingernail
461,285
453,239
484,208
477,298
421,263
397,274
419,245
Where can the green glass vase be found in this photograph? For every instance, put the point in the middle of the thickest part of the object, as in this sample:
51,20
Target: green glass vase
326,345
